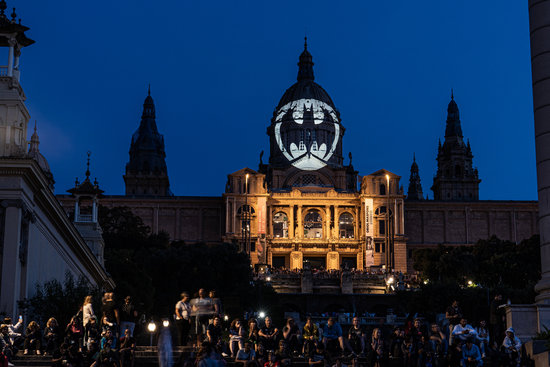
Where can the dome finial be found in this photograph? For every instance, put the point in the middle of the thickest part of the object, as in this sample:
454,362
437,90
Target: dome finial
305,65
414,157
33,147
89,153
452,94
149,90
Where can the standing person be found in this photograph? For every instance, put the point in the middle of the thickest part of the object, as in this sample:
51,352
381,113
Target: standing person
183,318
110,311
87,314
453,316
128,316
496,319
216,304
202,309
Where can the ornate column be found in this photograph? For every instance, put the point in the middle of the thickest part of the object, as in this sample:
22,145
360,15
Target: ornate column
291,222
299,227
327,223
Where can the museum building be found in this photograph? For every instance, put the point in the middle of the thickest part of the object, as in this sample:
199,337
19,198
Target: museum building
306,207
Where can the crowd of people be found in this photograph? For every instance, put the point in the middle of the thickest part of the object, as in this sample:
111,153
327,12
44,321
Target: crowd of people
89,339
452,342
107,339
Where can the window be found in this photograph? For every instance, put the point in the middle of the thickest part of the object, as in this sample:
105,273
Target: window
381,210
280,225
346,225
377,247
313,224
381,227
382,189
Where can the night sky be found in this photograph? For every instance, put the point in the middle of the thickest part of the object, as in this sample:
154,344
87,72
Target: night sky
217,70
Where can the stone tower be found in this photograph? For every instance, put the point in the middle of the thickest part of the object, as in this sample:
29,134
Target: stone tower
86,207
14,116
415,187
456,179
146,172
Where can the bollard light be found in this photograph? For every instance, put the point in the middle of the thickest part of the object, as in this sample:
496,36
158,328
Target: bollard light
470,282
226,318
165,323
268,279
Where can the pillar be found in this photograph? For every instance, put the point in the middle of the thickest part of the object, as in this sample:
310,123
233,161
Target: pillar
10,285
291,222
299,227
539,22
327,223
296,260
10,56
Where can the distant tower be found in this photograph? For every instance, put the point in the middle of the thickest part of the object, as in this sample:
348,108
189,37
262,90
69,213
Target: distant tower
415,187
456,179
146,172
14,116
35,154
86,212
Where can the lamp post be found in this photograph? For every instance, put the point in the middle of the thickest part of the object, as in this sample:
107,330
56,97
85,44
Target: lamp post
151,327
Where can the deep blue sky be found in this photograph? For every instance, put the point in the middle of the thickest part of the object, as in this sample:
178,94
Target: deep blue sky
218,69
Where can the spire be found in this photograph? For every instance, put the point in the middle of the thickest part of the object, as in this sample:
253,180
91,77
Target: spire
415,187
89,153
453,128
305,70
33,147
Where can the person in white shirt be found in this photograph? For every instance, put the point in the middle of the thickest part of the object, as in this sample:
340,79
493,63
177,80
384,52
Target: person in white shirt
183,322
512,346
15,331
462,331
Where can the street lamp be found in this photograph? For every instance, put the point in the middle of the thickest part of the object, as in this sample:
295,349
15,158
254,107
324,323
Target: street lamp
151,327
165,323
261,314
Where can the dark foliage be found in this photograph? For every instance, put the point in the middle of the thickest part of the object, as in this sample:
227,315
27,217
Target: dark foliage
491,265
155,271
53,299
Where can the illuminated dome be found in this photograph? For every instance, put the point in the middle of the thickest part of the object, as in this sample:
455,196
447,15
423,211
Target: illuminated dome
305,130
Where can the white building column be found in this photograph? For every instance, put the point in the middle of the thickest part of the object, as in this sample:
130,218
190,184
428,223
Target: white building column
11,269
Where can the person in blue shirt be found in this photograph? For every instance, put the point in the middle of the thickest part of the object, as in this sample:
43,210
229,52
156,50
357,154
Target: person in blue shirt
332,337
471,356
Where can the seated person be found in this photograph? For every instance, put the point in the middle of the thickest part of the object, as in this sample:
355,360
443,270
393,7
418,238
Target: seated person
318,358
106,357
356,338
246,356
6,347
236,337
272,362
52,336
463,331
397,339
292,336
33,338
214,332
332,337
482,337
512,346
75,332
283,355
127,347
408,350
438,340
311,338
377,347
15,332
268,335
108,338
471,356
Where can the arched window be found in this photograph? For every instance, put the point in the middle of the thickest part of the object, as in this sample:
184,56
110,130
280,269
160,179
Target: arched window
245,209
381,210
280,225
313,224
346,225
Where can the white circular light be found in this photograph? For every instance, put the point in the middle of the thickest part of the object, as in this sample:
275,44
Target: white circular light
165,323
226,318
261,314
152,327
